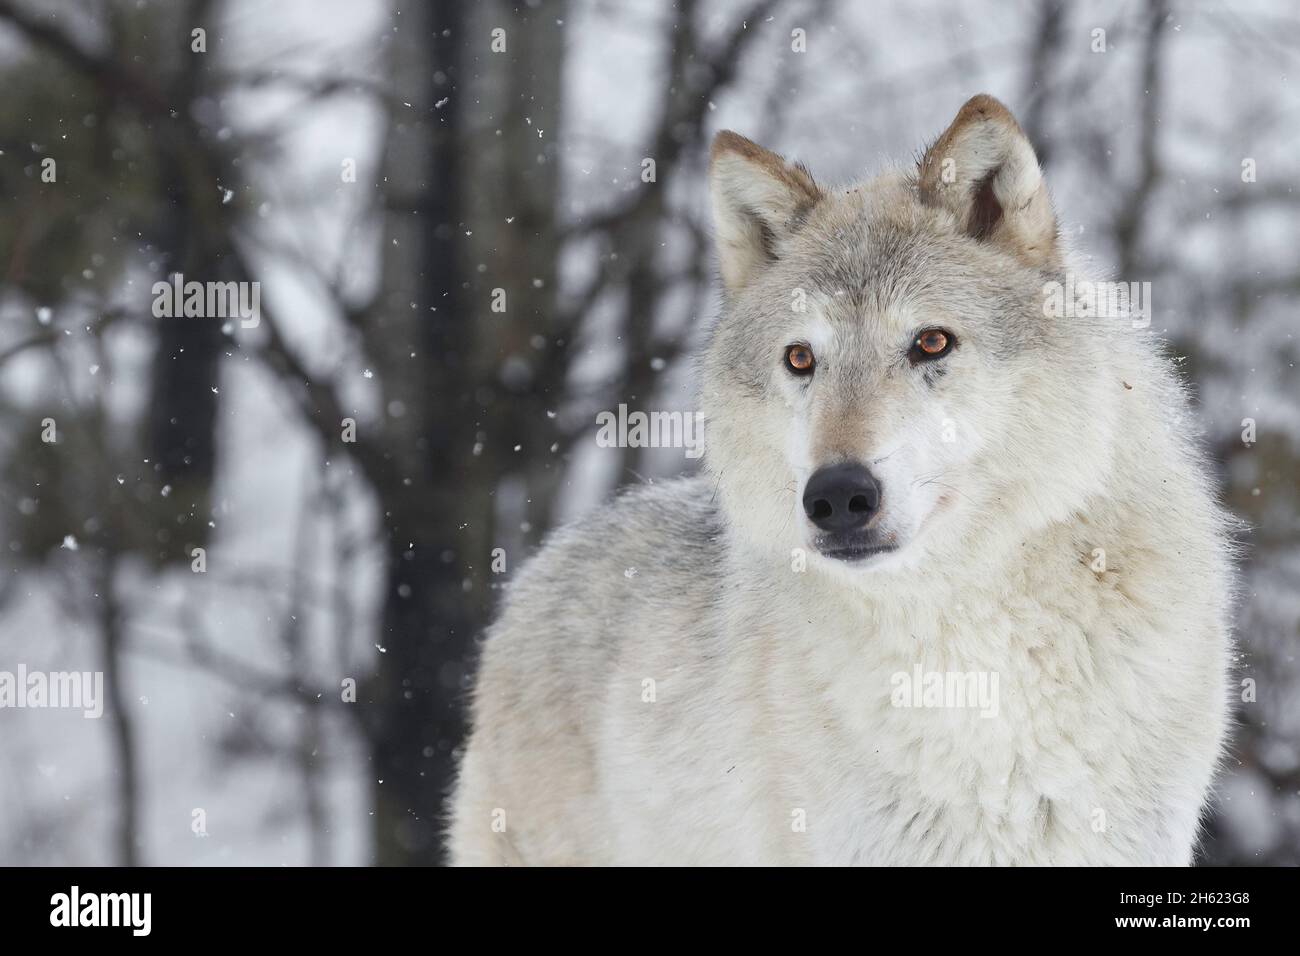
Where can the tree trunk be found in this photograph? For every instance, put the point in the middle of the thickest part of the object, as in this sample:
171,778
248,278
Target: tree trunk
449,441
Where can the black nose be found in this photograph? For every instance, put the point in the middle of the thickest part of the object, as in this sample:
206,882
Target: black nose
841,497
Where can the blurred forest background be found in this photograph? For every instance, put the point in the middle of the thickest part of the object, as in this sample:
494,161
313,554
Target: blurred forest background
380,168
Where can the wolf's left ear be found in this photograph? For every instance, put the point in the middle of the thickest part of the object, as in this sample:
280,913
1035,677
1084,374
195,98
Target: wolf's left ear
758,201
983,169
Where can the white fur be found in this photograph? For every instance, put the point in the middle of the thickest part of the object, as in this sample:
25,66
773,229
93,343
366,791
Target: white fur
774,734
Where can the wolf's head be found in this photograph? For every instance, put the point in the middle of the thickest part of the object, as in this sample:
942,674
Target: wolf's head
884,380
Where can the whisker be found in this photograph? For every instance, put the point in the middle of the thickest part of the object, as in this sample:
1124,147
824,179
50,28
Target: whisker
949,487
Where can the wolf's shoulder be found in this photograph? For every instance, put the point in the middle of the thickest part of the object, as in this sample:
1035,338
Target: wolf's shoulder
652,533
646,563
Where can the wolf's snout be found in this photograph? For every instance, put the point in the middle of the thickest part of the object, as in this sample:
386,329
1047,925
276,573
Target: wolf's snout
841,497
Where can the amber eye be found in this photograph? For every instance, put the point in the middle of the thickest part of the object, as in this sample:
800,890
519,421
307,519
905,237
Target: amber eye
799,359
930,344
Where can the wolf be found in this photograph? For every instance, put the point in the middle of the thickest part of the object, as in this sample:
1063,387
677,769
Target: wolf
915,480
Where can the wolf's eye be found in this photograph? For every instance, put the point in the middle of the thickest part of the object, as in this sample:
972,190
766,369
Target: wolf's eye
799,359
931,344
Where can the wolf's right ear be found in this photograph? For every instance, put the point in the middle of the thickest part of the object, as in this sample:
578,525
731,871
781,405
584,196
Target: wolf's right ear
758,200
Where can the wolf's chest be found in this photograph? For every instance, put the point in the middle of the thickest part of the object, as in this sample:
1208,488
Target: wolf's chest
989,744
